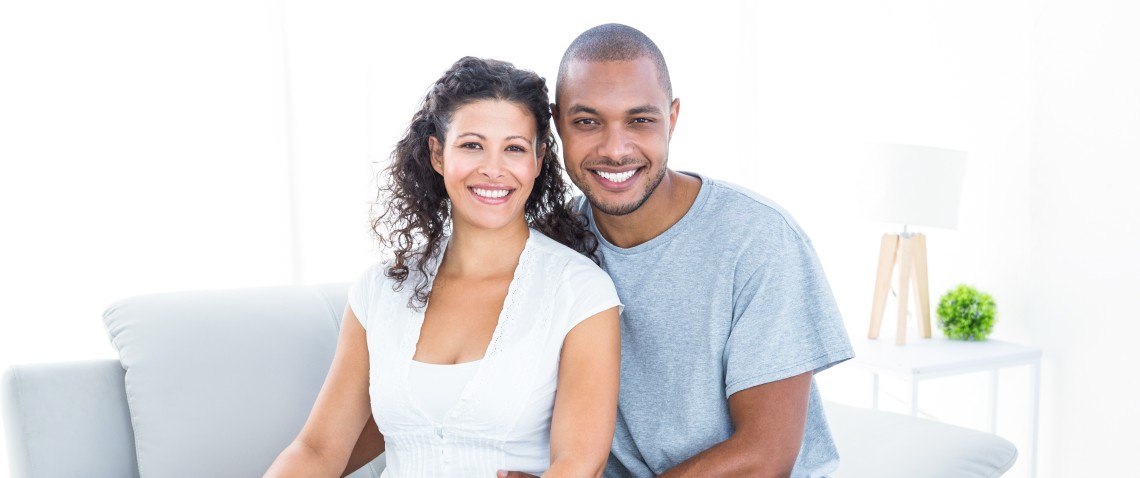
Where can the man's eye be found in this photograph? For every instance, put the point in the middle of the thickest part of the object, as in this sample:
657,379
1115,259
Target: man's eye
471,146
643,120
586,122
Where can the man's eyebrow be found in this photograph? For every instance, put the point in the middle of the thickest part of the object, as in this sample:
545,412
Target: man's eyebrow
640,110
581,109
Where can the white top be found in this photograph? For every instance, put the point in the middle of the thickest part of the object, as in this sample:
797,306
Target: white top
502,418
436,387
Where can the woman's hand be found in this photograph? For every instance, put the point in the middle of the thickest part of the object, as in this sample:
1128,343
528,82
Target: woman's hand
513,474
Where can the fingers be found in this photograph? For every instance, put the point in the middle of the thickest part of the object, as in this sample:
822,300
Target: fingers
513,474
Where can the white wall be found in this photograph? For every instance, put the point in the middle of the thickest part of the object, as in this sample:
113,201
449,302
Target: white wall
1086,220
149,147
141,150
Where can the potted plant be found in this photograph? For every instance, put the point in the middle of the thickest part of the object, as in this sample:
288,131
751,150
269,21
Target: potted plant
964,313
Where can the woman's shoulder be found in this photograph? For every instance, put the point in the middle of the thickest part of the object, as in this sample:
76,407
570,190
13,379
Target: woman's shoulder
557,254
570,272
376,272
375,281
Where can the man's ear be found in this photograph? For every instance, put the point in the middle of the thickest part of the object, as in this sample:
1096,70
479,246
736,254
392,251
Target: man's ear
554,113
674,111
436,154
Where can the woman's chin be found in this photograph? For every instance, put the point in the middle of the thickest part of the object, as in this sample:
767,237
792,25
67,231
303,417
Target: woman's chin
489,222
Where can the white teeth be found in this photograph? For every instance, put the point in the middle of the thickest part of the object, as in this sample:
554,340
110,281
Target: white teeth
491,193
617,177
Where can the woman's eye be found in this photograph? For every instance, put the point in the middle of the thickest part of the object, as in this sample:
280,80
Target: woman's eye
516,149
471,146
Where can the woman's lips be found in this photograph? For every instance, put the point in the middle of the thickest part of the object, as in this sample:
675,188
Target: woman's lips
492,195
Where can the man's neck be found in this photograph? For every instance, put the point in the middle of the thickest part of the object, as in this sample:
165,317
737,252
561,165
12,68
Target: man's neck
665,206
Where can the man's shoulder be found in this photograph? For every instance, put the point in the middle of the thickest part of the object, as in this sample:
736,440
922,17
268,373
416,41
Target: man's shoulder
729,203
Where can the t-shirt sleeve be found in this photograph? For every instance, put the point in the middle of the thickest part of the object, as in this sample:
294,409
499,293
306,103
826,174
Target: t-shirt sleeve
785,319
584,291
360,293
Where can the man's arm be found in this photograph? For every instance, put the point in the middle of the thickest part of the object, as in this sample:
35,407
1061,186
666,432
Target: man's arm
769,422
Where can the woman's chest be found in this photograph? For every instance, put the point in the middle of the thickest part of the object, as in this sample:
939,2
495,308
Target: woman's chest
518,371
460,320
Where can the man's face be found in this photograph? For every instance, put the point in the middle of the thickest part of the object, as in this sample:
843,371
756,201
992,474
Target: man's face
615,121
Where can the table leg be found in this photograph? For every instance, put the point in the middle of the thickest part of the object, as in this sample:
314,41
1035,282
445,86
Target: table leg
913,397
993,400
1035,410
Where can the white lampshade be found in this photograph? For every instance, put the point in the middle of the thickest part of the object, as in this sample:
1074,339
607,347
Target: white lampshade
913,185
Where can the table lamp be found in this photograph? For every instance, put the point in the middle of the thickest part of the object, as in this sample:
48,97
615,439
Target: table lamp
911,186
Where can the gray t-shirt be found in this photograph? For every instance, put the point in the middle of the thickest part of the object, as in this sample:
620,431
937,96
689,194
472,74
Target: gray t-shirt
731,297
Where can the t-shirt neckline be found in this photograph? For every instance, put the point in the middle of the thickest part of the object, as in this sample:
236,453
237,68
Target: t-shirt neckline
663,238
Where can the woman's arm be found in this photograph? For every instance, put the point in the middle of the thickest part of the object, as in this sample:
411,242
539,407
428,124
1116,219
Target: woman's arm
323,447
585,407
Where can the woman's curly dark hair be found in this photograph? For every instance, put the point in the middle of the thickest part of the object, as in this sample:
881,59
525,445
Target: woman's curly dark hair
415,219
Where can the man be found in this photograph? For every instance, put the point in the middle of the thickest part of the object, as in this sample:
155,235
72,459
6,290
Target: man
728,313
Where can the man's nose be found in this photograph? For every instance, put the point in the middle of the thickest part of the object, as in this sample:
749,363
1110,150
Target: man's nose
616,144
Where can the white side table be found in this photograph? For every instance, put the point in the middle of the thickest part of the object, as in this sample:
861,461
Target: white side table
923,359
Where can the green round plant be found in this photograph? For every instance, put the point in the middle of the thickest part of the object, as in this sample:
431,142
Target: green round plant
966,314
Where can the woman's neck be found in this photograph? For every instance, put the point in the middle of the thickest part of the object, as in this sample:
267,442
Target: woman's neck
474,252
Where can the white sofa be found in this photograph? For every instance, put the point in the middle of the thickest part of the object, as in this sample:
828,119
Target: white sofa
216,383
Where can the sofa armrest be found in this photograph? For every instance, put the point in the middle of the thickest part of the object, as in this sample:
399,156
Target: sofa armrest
889,445
67,419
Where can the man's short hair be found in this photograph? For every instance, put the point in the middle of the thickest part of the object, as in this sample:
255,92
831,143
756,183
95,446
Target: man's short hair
614,42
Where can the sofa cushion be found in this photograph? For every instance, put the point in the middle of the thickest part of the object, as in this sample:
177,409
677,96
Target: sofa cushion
878,444
218,383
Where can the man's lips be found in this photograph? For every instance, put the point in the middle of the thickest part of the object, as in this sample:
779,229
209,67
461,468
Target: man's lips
616,178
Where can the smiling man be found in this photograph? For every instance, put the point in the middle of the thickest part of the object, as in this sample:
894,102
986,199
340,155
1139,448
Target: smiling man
728,312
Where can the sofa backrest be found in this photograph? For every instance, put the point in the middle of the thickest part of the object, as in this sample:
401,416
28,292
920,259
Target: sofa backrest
219,382
63,420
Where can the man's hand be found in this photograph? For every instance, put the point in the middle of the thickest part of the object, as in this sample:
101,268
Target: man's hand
513,474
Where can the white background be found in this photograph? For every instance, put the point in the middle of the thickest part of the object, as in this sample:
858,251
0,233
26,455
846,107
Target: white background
150,146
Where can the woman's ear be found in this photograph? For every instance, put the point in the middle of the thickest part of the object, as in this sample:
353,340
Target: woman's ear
436,154
539,159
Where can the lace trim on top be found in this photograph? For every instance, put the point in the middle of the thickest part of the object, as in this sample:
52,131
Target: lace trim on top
515,291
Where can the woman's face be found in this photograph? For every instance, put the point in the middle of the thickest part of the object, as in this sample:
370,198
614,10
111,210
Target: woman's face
489,161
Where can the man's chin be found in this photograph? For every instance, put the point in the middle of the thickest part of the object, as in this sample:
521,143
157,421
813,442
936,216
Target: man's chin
614,208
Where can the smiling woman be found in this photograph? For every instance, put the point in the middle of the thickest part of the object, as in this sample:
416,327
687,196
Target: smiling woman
490,288
473,131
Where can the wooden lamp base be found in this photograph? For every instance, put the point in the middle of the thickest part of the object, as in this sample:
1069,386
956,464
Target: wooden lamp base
909,250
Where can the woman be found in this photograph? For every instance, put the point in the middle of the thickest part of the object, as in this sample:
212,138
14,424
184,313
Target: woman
456,345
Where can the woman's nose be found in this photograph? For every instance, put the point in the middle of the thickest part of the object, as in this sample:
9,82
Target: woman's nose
492,167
